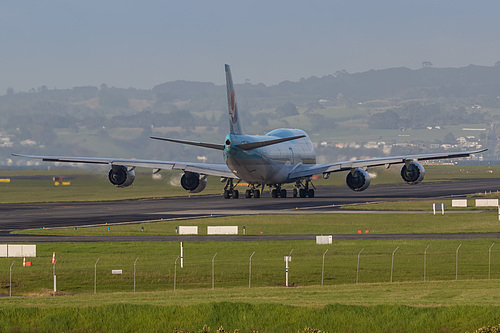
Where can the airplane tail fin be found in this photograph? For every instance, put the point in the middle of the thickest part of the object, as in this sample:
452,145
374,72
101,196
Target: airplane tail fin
234,120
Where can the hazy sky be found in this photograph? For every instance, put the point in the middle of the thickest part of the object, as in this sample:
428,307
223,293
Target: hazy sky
62,44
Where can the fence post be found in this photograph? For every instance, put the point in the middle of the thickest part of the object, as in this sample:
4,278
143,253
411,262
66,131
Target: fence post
250,271
175,271
425,261
54,275
456,263
213,271
135,262
392,262
10,282
323,267
182,255
95,276
287,260
489,261
357,270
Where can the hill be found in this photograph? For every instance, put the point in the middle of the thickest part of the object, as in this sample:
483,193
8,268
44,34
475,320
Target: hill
367,114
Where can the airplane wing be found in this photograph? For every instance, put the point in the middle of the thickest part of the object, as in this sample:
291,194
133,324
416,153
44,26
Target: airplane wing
305,170
220,170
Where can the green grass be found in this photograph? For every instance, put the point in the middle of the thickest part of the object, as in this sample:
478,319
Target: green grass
91,185
155,267
422,205
229,316
316,224
373,305
417,294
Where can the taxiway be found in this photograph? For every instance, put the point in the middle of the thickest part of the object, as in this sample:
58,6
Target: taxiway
327,200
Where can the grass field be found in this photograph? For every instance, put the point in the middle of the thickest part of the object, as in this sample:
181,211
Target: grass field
440,304
423,205
155,267
90,185
331,309
408,304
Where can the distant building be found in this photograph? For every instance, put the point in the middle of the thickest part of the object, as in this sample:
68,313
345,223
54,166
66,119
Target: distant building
28,142
371,145
5,142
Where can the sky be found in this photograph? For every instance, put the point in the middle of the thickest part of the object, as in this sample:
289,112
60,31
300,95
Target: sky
64,44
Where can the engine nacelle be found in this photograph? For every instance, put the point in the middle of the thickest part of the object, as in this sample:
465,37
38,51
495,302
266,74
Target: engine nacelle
120,176
193,182
413,174
358,180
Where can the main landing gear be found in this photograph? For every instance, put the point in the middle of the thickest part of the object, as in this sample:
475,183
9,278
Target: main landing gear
278,192
230,191
303,190
300,190
252,192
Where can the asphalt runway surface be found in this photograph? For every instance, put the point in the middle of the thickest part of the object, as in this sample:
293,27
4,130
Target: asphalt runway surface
327,201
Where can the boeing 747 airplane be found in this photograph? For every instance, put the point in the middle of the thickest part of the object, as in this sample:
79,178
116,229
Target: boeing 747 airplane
279,157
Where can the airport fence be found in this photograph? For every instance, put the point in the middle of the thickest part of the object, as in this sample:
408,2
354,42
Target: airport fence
258,266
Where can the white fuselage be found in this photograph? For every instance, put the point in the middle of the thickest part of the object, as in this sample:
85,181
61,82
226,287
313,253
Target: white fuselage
271,164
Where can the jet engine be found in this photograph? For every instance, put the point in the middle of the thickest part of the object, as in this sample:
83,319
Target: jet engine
121,176
413,174
358,180
193,182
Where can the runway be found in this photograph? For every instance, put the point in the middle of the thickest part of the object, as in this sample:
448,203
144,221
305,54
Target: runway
327,201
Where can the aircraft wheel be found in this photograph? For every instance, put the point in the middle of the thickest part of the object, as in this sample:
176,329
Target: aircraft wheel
227,194
274,193
256,194
310,193
295,192
248,193
283,193
302,193
236,194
